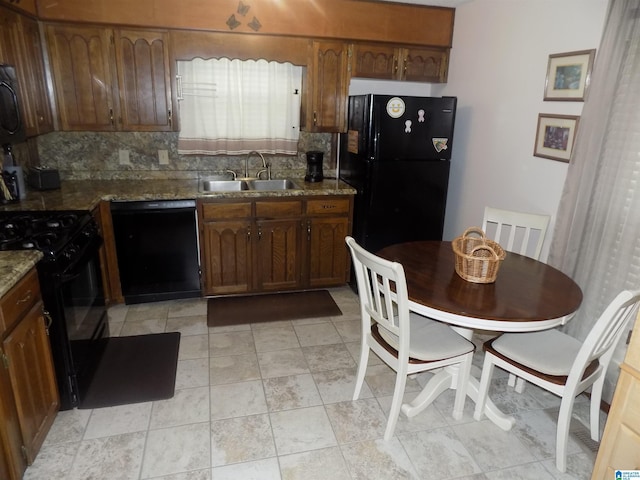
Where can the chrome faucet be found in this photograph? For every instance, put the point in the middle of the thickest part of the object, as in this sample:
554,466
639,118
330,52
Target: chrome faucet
246,164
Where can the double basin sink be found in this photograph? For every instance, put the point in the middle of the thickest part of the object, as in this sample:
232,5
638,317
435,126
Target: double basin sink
248,185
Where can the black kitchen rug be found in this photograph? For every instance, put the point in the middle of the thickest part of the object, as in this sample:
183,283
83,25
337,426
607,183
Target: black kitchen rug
139,368
222,311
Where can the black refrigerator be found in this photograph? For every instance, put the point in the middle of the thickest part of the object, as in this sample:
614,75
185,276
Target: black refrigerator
396,154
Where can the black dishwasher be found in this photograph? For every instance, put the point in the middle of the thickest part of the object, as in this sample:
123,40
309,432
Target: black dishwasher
157,249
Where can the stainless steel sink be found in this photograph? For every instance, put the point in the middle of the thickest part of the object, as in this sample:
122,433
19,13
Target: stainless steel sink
271,185
223,185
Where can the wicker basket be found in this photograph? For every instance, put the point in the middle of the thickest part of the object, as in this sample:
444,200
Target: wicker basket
477,258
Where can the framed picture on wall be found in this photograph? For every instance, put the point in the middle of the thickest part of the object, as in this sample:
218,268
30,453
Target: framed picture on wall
555,136
569,75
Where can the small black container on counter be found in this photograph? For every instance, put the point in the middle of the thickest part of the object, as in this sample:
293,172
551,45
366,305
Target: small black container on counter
314,167
43,178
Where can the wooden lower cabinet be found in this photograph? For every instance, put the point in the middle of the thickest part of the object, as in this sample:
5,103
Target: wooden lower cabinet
328,259
29,398
269,245
328,223
278,255
225,246
620,444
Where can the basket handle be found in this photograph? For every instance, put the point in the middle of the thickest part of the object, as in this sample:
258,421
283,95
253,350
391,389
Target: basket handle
477,230
484,247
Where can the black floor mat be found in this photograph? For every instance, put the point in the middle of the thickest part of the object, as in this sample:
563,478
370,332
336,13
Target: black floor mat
271,307
135,369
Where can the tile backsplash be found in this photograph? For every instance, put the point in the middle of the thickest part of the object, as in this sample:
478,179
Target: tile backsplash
97,155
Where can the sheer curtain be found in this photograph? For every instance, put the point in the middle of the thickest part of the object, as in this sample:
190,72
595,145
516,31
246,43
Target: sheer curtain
597,234
235,106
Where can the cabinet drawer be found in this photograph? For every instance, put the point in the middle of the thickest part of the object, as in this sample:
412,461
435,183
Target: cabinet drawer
278,209
17,302
226,210
328,206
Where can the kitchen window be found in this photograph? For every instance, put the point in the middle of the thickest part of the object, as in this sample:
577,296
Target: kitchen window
231,107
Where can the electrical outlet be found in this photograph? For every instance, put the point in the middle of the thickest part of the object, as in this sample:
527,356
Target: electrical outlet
123,157
163,157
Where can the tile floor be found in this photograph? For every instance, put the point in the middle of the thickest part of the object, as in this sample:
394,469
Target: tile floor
273,401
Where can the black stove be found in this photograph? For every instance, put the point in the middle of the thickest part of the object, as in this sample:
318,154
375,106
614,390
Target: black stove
59,235
71,287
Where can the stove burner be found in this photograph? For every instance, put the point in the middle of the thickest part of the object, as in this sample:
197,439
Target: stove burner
47,231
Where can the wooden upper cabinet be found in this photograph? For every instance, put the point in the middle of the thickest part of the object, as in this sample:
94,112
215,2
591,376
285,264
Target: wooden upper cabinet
142,59
388,62
28,6
39,119
358,20
425,65
327,86
108,80
374,61
20,46
84,80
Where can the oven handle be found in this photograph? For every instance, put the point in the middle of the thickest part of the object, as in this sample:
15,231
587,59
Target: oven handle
76,268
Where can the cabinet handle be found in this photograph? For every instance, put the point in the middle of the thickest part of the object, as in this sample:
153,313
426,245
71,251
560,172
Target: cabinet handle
25,299
308,230
248,234
395,66
48,320
111,116
259,233
170,119
5,359
315,118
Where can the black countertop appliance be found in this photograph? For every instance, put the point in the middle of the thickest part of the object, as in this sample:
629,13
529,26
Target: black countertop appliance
314,167
396,154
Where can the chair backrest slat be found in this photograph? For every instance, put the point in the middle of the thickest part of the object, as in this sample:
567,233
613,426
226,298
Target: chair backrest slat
604,335
516,232
385,288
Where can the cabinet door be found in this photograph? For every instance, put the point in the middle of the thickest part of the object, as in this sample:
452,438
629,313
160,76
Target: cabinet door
142,58
20,47
278,255
328,84
38,118
12,462
374,61
81,62
32,379
329,262
226,257
425,65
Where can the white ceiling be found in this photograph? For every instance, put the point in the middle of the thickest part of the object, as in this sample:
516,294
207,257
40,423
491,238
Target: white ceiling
437,3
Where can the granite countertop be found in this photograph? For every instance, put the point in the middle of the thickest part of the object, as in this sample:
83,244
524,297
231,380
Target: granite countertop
14,265
87,194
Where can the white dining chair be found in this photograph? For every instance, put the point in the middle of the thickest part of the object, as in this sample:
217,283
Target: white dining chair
562,364
517,232
407,342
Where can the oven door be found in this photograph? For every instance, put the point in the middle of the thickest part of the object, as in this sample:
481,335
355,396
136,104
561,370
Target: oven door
77,305
84,312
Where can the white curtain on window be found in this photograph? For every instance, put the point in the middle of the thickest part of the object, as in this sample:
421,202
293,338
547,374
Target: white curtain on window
597,235
233,107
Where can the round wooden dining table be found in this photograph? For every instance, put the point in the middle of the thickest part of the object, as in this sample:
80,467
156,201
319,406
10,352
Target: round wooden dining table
528,295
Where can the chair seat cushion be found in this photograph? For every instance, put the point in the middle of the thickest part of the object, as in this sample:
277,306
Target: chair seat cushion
430,340
550,351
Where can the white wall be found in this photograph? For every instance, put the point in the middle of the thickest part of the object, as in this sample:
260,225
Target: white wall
497,70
